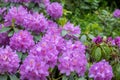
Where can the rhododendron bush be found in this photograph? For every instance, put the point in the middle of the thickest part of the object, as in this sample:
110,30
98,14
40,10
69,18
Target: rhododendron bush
39,42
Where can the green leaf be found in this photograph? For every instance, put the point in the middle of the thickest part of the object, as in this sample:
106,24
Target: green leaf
0,18
15,29
107,52
11,33
3,77
83,38
116,70
20,54
62,21
31,5
37,38
24,56
5,29
13,77
64,32
97,54
65,12
13,23
90,36
81,78
71,77
77,35
64,78
93,51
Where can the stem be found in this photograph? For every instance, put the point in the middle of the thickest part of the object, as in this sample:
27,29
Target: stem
13,23
58,77
49,78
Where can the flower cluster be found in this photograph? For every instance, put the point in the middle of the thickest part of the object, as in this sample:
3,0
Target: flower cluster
73,59
4,39
52,25
110,41
22,41
55,10
21,1
46,51
33,68
16,1
53,35
117,41
98,40
46,2
35,22
9,61
69,27
101,71
52,49
116,13
16,14
2,10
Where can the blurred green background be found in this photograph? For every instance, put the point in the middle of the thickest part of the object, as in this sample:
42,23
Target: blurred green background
94,16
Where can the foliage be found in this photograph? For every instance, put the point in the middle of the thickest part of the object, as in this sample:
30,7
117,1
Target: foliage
93,17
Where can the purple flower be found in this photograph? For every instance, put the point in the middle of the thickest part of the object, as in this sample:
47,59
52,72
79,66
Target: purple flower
52,24
46,51
4,39
17,1
53,28
110,41
17,14
22,41
21,1
33,68
50,45
71,29
36,1
2,10
116,13
35,22
55,10
9,61
46,2
73,59
117,41
97,40
53,35
101,71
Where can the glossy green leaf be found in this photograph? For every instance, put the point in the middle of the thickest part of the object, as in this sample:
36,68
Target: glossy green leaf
20,54
3,77
37,38
31,5
116,70
64,78
24,56
5,29
107,52
62,21
16,29
13,77
91,36
83,38
98,54
81,78
71,77
10,33
64,32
